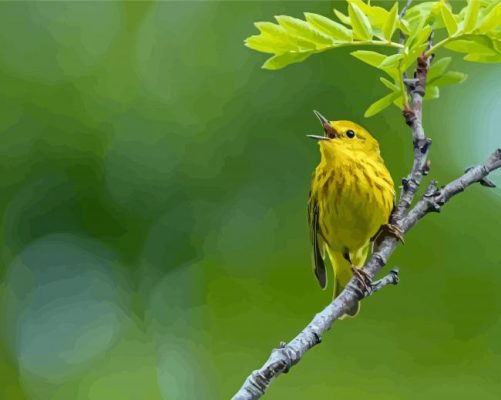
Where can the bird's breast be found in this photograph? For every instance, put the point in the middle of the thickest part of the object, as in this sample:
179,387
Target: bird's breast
355,199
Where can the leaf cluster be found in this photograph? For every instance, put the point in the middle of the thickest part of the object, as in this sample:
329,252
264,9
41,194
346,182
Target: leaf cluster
475,31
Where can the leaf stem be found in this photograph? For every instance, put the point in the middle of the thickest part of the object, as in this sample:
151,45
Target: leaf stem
441,43
372,43
347,44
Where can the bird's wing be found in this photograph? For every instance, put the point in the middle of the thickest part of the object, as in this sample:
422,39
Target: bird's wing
316,241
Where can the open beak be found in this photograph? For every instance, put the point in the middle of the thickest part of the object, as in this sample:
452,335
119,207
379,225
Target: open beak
318,137
321,118
329,131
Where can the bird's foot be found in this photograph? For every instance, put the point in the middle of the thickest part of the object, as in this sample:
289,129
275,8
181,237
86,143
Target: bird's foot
363,279
390,229
395,231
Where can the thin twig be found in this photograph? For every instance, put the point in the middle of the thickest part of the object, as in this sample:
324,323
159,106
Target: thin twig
405,8
391,279
413,115
435,197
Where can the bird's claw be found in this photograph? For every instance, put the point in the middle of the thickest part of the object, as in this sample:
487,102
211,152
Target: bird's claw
390,229
394,230
363,279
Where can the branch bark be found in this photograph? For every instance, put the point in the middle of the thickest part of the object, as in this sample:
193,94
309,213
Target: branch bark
289,354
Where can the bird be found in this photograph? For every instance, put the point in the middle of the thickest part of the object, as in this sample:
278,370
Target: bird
351,198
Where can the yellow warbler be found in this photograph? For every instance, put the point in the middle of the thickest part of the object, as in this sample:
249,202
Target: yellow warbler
351,198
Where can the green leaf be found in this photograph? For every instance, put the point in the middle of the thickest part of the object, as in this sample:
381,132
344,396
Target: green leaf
362,29
403,25
417,44
381,104
343,18
282,60
391,61
421,9
298,27
376,15
438,68
423,36
390,85
432,92
374,59
267,44
471,15
492,20
448,18
449,78
270,28
427,12
273,39
477,45
391,22
369,57
483,58
278,34
411,57
416,30
329,27
435,17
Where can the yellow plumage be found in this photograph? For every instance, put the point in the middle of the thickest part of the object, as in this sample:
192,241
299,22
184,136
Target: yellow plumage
351,197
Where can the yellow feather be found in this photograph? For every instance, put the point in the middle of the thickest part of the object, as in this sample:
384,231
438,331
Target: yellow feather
354,193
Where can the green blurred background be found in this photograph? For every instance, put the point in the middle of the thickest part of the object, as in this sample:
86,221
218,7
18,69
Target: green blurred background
153,237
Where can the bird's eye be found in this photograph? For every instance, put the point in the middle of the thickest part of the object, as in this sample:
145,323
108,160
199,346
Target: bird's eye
350,134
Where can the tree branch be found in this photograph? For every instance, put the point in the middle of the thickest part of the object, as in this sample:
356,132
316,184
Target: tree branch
289,354
435,197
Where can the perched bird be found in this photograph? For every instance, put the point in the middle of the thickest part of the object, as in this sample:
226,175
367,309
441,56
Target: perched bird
351,198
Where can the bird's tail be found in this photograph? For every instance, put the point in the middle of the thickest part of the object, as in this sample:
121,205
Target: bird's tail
342,275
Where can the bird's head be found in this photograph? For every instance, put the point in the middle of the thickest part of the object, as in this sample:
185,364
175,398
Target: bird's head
345,136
